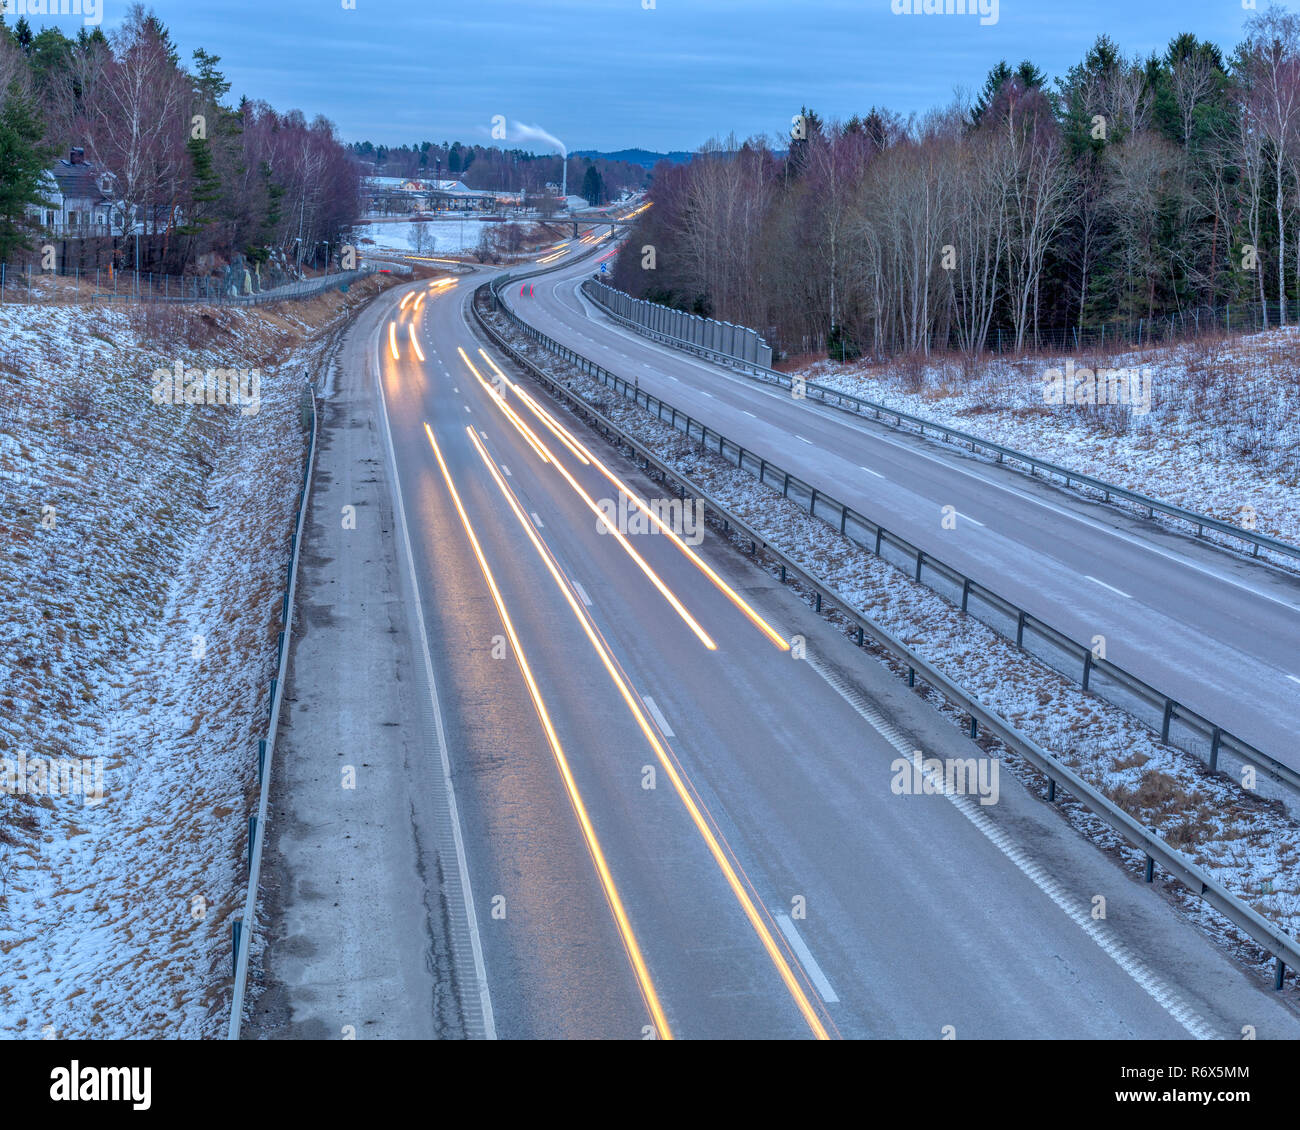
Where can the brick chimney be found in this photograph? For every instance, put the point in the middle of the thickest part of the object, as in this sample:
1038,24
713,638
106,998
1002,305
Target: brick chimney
77,157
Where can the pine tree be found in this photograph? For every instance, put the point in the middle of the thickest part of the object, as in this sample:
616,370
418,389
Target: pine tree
205,187
24,161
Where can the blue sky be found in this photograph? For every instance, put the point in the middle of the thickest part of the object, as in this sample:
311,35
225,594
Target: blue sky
610,74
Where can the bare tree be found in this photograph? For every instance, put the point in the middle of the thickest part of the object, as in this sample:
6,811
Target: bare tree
140,128
1271,74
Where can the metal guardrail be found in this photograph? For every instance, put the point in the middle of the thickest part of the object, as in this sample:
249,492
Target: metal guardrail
1176,723
242,928
1284,948
1006,455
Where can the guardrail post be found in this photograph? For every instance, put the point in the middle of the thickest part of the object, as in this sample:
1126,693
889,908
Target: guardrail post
844,517
270,706
236,928
1051,789
1215,739
785,490
911,676
819,601
252,835
1164,723
974,728
812,503
261,758
880,530
1151,869
1020,629
859,635
1087,668
920,556
1279,973
965,593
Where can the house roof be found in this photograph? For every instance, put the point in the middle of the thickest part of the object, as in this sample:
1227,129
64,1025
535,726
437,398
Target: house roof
414,184
80,181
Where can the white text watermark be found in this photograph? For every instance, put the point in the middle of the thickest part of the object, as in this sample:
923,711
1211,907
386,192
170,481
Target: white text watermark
239,387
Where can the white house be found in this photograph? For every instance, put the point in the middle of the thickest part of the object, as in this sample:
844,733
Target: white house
82,199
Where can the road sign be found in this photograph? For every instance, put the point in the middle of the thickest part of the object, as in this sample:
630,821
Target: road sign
604,268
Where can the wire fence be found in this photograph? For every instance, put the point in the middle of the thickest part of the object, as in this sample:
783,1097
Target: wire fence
104,284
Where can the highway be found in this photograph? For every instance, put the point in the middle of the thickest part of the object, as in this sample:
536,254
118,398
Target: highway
1213,630
675,826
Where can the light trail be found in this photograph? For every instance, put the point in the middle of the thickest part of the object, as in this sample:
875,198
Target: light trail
549,424
392,340
612,897
575,445
686,794
415,344
616,533
524,430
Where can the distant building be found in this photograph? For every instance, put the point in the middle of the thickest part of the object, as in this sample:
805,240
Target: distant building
403,195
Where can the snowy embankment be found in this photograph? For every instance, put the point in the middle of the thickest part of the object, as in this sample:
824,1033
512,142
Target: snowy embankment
147,546
1221,436
1243,841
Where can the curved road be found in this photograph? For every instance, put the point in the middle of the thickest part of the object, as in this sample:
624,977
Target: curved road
674,825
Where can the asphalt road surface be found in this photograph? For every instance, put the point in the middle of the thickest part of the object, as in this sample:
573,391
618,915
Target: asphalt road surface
668,821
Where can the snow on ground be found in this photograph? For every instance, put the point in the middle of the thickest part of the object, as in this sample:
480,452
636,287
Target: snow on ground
428,237
147,553
1246,843
1222,433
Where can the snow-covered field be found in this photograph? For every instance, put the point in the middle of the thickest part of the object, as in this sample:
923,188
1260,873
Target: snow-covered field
1222,435
1244,842
428,237
146,553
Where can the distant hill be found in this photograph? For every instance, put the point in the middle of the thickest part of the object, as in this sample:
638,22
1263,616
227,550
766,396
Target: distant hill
643,157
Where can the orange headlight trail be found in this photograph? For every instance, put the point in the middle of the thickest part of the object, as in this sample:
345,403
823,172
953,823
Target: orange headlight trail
407,299
612,896
684,792
419,301
415,344
392,340
524,430
549,425
617,534
576,445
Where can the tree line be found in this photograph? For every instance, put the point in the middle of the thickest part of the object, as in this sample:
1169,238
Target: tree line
597,179
198,179
1128,189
